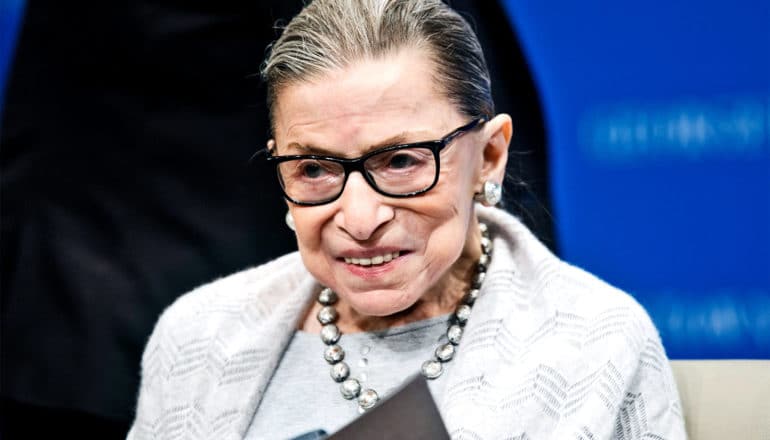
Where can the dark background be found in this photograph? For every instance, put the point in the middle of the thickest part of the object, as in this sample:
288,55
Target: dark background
125,138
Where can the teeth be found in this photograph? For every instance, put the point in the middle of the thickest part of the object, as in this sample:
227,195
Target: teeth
379,259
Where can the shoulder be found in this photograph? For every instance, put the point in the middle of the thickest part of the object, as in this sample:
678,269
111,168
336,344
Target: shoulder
539,291
252,290
609,310
213,347
613,325
247,285
587,350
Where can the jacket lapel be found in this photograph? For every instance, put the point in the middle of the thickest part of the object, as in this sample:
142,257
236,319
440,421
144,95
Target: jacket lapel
249,351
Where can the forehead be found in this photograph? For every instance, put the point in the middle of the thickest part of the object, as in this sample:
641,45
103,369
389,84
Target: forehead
348,111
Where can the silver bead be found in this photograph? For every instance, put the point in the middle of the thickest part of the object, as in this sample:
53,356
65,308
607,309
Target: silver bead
327,297
350,389
484,229
340,371
327,315
432,369
471,297
454,334
478,279
486,245
334,353
330,334
445,352
463,313
368,398
483,263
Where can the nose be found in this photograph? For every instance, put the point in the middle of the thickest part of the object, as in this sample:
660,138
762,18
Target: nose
362,211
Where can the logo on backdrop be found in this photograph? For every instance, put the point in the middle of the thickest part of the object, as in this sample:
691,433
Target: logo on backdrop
692,130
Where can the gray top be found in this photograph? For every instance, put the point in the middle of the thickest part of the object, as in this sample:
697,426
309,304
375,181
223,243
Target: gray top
302,397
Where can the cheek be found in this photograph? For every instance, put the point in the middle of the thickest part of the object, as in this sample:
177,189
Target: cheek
310,224
462,171
455,191
309,221
456,187
446,214
447,235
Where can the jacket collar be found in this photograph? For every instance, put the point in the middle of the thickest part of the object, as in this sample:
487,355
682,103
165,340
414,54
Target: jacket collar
271,324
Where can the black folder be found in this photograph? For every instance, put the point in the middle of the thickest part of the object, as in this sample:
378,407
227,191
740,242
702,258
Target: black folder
410,413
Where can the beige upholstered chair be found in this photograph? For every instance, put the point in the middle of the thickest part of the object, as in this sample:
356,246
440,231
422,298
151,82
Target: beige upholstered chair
725,399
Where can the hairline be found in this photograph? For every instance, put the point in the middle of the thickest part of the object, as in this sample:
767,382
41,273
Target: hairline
438,84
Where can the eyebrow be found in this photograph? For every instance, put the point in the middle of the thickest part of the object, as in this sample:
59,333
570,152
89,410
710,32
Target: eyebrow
398,139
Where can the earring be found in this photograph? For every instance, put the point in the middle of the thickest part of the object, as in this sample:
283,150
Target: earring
290,221
491,194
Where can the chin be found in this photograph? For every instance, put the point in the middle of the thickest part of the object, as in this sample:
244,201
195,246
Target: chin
379,303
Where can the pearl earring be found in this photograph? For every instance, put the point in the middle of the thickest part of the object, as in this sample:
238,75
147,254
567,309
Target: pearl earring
290,221
491,194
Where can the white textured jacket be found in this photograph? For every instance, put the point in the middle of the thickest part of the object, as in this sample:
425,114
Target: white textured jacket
549,352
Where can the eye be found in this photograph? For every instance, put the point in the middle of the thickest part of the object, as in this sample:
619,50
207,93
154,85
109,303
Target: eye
400,161
315,169
309,169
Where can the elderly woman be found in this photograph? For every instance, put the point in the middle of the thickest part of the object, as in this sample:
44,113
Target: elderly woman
391,159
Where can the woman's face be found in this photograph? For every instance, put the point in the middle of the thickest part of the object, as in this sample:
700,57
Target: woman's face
347,113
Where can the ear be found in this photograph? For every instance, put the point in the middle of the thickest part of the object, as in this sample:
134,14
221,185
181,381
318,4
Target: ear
498,132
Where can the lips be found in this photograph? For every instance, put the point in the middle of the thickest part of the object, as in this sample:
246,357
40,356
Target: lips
374,260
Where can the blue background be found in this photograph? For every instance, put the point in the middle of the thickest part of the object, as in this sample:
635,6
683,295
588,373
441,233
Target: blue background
10,18
658,119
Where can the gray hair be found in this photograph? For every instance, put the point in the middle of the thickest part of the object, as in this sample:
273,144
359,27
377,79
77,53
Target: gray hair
332,34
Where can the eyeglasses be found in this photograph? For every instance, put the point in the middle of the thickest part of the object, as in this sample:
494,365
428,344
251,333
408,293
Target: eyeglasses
398,171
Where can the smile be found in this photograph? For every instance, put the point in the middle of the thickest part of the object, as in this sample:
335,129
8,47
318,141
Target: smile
373,261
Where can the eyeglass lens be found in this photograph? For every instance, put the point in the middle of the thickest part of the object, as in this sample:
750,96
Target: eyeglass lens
394,172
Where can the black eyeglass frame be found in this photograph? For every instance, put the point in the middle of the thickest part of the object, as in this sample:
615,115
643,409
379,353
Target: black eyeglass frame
357,164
